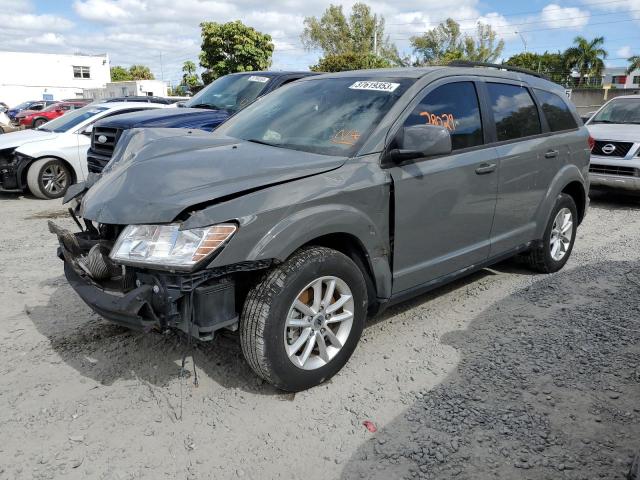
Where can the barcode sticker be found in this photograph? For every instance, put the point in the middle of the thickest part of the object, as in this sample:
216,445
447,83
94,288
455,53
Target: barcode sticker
376,86
256,78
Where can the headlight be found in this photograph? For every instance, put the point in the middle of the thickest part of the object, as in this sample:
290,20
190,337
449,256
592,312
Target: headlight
167,245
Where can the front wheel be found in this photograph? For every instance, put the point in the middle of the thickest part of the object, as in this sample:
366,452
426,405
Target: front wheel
302,322
551,254
48,178
39,121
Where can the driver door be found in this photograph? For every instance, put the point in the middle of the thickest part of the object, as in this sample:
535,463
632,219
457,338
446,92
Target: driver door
444,206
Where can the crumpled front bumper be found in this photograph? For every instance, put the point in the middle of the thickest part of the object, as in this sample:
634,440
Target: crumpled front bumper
198,303
133,310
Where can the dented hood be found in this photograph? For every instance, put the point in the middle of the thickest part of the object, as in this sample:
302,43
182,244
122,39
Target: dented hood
158,173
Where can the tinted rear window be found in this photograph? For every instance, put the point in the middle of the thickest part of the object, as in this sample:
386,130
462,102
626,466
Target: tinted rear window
556,111
514,111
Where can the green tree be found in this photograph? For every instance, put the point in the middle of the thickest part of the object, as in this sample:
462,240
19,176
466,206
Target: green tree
340,62
140,72
586,57
189,76
548,63
233,47
445,43
358,38
440,44
634,64
119,74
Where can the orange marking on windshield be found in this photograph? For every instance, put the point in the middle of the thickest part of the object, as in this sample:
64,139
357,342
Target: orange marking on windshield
346,137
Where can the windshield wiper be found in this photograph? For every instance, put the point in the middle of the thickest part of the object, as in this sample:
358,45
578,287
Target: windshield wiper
262,142
204,105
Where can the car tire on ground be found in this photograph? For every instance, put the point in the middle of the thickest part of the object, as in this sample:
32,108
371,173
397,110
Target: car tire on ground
39,121
551,254
48,178
302,322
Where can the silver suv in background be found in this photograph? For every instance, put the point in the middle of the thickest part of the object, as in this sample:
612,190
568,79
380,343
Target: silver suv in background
615,159
325,201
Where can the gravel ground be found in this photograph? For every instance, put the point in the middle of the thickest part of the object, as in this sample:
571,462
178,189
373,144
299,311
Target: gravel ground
504,374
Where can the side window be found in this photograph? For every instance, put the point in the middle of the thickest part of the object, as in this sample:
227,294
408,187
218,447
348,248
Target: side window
514,111
556,111
454,106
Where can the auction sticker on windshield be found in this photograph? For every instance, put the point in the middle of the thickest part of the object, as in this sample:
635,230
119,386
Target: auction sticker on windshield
256,78
376,86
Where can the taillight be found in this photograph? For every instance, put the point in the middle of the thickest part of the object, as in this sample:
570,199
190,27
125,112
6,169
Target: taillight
592,142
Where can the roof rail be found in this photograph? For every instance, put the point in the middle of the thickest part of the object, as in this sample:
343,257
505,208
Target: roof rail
500,66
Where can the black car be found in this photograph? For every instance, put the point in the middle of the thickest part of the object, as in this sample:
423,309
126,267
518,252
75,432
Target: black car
205,111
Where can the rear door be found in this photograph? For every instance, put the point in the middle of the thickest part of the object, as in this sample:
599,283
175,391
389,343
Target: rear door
444,206
526,158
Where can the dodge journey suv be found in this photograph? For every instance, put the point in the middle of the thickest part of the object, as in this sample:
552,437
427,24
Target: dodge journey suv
324,202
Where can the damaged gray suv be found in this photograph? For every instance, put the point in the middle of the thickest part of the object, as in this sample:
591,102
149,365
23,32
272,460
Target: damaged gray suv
324,202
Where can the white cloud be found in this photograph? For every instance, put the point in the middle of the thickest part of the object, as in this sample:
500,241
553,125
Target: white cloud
31,22
631,6
570,18
17,6
624,52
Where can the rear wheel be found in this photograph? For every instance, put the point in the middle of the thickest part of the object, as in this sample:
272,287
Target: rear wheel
302,322
48,178
555,249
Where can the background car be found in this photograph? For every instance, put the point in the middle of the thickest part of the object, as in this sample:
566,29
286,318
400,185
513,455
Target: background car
615,158
48,159
35,105
205,111
140,98
33,119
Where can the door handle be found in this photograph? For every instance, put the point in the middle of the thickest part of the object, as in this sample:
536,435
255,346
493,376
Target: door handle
485,168
551,154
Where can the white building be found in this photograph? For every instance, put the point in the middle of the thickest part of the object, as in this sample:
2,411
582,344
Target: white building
130,88
618,78
44,76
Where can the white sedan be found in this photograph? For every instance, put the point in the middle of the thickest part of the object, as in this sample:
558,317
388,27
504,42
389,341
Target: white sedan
48,159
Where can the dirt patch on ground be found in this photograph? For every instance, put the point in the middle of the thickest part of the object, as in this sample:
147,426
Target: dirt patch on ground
504,374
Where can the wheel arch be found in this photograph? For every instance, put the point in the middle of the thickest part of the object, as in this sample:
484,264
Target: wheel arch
349,245
24,168
577,191
569,180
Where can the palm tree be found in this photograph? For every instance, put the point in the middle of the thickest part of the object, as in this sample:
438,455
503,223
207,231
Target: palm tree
634,64
587,57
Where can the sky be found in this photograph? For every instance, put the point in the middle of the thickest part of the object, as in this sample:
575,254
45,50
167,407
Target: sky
164,33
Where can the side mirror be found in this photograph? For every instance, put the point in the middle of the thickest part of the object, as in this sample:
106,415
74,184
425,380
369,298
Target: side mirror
419,141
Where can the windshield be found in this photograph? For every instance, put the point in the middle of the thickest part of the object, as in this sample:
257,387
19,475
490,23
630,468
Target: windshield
619,111
23,105
330,116
231,92
71,119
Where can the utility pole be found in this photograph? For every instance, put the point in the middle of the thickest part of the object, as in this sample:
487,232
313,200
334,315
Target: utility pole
375,35
523,41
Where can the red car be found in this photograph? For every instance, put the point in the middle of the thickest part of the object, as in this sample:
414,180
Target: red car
30,118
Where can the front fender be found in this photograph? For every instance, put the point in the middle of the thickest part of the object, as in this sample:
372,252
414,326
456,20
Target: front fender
276,221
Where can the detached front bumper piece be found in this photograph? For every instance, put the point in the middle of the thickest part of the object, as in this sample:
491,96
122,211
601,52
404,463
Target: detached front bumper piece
196,303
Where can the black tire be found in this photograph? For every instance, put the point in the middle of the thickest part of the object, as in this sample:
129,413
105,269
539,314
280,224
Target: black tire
36,180
262,324
39,121
540,258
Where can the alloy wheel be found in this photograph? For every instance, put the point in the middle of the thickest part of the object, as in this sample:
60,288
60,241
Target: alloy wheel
318,323
54,179
561,234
